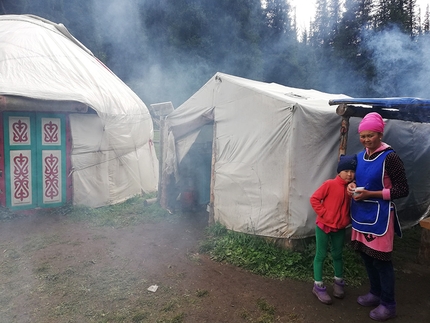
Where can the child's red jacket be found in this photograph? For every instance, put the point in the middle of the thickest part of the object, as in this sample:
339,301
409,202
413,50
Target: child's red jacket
331,203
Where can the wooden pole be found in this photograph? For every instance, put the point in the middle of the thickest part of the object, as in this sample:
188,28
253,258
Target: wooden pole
344,128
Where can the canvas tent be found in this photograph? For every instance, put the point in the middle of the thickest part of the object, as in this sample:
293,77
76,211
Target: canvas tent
107,150
255,152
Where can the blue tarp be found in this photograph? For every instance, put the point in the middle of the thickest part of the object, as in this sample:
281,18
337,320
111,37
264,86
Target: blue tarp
385,102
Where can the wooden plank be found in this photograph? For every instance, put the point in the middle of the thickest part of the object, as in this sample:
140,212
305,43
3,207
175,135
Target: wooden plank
344,129
425,223
424,251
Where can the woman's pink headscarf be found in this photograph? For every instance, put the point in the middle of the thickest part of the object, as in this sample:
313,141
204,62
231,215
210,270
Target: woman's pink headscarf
371,122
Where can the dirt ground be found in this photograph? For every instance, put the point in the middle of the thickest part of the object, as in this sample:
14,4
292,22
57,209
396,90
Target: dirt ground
53,269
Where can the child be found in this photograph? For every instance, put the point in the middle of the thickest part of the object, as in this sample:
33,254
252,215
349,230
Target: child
331,203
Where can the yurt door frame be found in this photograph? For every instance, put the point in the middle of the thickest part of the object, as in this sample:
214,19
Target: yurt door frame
35,159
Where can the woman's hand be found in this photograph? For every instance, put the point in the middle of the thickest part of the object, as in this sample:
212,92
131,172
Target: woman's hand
363,194
360,195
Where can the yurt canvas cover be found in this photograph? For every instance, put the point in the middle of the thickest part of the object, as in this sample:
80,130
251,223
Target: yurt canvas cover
271,147
113,156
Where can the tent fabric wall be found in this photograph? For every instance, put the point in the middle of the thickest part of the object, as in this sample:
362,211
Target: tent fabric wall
113,157
109,175
264,169
274,146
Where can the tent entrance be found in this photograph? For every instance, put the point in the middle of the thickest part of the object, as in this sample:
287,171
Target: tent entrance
195,171
35,159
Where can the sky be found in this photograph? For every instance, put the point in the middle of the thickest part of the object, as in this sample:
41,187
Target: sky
306,10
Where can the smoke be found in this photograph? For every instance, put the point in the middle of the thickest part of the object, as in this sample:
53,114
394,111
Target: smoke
152,73
390,63
400,63
143,56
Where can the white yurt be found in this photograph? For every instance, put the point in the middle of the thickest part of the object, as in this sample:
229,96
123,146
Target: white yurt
72,131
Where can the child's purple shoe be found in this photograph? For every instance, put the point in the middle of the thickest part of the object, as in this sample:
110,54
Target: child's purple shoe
321,293
368,300
338,288
383,312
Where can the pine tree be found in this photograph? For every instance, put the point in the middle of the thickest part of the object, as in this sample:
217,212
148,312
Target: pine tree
412,19
395,13
426,22
276,13
349,53
321,25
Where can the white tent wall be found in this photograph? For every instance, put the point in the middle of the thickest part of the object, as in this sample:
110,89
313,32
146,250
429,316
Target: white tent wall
88,157
274,146
113,157
97,168
251,144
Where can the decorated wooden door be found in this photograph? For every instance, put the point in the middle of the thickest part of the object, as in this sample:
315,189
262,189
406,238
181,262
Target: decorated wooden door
35,164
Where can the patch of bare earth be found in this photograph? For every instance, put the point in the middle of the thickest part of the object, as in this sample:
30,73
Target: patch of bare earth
53,269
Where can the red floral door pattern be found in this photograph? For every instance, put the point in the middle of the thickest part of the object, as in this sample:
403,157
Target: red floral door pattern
20,161
51,160
35,151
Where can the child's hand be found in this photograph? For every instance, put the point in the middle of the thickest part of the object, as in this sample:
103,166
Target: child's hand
351,188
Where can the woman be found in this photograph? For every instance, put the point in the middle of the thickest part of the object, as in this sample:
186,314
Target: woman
381,177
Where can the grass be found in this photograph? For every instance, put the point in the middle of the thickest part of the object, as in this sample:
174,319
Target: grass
128,213
265,258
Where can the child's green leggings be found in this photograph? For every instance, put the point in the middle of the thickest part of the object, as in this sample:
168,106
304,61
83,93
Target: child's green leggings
337,241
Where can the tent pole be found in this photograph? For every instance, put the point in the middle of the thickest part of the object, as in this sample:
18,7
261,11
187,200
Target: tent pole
161,182
212,197
161,110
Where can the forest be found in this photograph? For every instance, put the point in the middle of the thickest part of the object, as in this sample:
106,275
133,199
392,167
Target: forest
165,50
